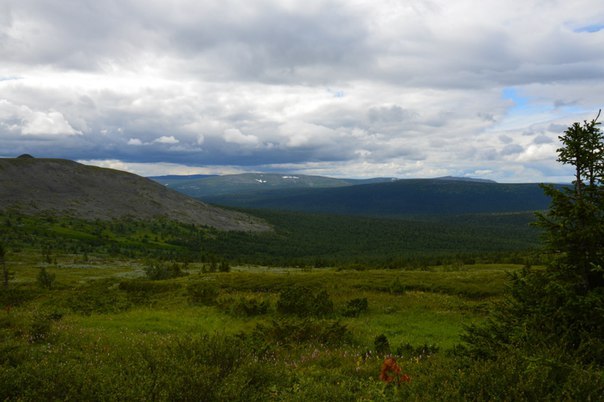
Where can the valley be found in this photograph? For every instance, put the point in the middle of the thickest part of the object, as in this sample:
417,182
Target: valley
302,300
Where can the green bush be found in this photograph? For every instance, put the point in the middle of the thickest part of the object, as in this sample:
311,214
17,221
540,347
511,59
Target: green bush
381,345
296,332
100,297
203,293
303,302
244,306
158,271
45,279
355,307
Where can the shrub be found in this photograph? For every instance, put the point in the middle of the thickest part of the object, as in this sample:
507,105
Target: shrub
158,271
97,299
355,307
45,279
326,332
381,344
303,302
244,306
204,293
408,350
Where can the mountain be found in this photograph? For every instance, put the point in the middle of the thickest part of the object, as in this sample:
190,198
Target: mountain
169,180
401,197
32,185
247,183
454,178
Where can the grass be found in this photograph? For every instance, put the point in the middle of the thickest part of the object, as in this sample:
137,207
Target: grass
105,332
416,307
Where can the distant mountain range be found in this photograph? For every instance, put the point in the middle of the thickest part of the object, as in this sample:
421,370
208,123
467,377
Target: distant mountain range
377,197
31,185
245,183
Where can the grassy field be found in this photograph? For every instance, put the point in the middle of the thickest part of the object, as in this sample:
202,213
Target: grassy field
103,330
131,310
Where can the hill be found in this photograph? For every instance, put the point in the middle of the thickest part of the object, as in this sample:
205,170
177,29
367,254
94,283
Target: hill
169,180
33,185
401,197
249,183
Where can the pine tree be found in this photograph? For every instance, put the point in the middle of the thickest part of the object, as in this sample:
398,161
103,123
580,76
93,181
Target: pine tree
574,224
560,308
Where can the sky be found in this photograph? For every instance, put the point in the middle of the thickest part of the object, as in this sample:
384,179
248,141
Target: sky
341,88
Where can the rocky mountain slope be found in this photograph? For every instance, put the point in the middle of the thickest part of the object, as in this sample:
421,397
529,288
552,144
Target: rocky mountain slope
32,185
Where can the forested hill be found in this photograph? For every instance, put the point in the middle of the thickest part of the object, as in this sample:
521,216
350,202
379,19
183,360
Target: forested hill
401,197
64,187
245,183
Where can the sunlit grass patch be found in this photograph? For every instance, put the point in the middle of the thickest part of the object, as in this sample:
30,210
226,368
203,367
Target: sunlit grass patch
192,320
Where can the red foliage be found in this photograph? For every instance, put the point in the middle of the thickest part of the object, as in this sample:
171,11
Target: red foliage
391,372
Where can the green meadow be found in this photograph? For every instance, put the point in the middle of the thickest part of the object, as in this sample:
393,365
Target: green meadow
157,311
103,322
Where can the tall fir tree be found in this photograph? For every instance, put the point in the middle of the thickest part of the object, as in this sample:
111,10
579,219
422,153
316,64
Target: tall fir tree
559,309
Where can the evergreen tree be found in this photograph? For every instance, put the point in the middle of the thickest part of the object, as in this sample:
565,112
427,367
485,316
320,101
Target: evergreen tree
574,224
559,310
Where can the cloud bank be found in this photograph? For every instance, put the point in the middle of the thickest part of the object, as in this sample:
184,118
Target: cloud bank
412,88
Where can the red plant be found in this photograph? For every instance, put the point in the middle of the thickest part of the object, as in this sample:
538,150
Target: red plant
391,372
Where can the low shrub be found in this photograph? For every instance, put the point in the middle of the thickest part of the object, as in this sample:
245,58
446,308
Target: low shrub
45,279
295,332
381,344
303,302
158,271
100,297
355,307
244,306
203,293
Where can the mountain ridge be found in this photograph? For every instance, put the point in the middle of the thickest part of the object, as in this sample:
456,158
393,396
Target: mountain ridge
401,197
33,185
252,182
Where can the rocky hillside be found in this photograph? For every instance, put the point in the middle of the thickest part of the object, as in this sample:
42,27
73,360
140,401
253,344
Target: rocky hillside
32,185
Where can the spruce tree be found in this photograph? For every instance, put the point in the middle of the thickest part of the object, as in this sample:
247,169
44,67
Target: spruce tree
559,309
574,224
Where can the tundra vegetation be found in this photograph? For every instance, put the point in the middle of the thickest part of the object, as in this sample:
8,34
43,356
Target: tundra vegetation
323,308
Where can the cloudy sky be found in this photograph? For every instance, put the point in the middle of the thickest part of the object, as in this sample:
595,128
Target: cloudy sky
344,88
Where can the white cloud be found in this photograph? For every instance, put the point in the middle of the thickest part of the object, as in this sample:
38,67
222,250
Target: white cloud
166,140
29,122
357,86
235,136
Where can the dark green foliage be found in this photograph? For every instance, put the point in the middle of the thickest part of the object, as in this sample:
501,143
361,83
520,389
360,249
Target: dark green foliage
552,321
311,240
575,221
144,292
355,307
298,240
5,273
203,293
157,270
97,297
407,350
381,345
45,278
296,332
302,301
188,368
40,327
245,306
397,198
16,296
224,266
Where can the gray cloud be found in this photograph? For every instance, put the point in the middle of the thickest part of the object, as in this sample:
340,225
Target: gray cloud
412,88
